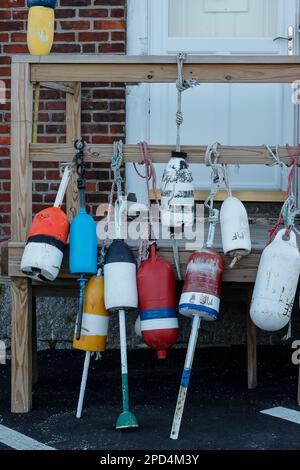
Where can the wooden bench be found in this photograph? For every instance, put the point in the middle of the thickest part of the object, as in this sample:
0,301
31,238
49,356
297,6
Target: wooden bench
72,70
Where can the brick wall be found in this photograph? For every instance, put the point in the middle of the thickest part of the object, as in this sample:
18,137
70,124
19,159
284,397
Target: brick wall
82,26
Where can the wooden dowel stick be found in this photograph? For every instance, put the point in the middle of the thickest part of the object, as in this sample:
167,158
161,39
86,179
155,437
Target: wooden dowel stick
185,377
83,383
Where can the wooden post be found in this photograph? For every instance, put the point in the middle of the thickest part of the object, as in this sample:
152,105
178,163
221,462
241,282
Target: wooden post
35,371
73,117
21,202
251,348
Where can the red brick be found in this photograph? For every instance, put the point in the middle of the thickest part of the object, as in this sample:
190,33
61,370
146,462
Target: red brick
117,105
60,13
109,24
5,71
5,14
93,13
4,37
117,36
109,117
11,25
77,3
20,14
68,48
93,37
4,129
89,48
4,140
115,47
117,13
12,3
64,37
18,37
110,2
15,49
75,25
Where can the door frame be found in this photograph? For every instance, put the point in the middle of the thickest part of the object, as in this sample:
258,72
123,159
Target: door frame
141,40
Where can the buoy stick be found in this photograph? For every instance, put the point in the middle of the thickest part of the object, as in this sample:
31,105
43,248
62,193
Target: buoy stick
62,187
124,367
185,377
126,419
82,281
83,383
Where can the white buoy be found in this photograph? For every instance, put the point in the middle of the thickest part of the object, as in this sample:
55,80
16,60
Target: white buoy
177,192
276,283
235,229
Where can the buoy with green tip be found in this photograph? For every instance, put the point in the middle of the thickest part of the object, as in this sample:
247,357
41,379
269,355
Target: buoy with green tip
120,295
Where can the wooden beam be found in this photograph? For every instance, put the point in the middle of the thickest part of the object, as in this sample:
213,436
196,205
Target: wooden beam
167,73
21,168
244,271
21,202
246,155
64,87
21,346
244,196
73,118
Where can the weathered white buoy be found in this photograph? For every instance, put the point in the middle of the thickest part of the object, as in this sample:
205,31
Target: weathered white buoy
276,283
177,192
235,229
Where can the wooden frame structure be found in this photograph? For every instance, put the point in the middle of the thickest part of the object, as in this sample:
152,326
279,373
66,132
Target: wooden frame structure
66,72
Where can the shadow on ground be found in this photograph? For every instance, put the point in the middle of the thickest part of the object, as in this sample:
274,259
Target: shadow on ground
220,412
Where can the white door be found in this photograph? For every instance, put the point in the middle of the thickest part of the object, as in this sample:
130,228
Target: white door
236,114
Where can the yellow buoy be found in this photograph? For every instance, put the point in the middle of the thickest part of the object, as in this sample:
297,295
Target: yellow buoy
95,318
40,30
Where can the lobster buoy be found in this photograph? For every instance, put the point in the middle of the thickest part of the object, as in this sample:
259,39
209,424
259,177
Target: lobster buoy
157,303
43,253
40,29
276,283
95,318
177,193
235,229
202,286
120,288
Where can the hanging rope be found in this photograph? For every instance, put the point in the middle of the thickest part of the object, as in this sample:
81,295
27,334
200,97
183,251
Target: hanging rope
288,211
182,85
116,162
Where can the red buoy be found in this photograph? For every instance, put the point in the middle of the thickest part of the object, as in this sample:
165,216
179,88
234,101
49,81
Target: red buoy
202,286
157,303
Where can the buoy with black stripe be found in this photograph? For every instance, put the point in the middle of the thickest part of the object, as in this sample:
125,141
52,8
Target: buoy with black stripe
157,303
47,238
40,28
94,328
120,295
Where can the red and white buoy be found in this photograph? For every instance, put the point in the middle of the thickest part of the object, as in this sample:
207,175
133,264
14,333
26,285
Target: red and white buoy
157,303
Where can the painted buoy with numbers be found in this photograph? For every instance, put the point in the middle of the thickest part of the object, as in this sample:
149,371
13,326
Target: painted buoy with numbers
43,253
276,283
157,303
40,29
177,192
202,286
235,229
